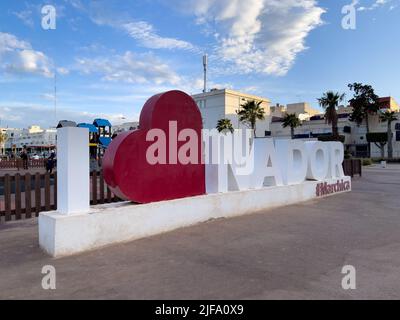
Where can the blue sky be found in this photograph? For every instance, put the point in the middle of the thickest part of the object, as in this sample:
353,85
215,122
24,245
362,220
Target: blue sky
110,56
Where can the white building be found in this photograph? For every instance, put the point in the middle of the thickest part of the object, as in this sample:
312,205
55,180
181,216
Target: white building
355,135
302,110
378,126
219,104
34,138
125,127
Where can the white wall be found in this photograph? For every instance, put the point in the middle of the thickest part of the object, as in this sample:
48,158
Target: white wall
110,224
224,104
378,126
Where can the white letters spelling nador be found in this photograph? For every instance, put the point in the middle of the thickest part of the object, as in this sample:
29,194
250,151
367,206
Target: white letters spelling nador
283,162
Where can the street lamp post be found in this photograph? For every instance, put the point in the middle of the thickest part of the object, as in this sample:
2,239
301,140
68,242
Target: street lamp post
205,64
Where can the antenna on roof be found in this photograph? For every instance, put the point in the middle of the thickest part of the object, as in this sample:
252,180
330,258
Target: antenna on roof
55,95
205,65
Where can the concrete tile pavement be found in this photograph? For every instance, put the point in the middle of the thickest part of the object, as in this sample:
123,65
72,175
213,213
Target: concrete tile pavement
295,252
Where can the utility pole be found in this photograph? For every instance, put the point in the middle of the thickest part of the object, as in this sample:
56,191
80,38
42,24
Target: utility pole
205,64
55,96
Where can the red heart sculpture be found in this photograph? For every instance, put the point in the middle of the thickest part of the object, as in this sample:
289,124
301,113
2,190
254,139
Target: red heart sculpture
129,174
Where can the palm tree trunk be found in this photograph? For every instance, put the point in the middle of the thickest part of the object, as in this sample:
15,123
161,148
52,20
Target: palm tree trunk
390,138
335,130
253,127
292,132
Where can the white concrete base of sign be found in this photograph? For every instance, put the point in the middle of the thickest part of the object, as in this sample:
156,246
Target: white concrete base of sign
61,235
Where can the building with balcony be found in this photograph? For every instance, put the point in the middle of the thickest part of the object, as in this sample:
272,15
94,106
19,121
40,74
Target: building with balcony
34,139
355,135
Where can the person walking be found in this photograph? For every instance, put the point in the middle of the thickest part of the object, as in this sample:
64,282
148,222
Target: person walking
25,158
50,164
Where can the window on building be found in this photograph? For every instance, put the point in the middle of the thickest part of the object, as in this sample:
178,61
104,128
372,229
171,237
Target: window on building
397,135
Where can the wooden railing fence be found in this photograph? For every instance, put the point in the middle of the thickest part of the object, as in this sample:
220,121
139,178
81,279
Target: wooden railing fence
25,196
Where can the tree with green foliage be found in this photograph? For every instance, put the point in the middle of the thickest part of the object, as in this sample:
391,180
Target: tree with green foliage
364,103
225,125
389,117
250,112
330,101
291,120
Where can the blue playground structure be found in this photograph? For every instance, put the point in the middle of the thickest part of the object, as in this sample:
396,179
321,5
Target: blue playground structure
100,134
104,132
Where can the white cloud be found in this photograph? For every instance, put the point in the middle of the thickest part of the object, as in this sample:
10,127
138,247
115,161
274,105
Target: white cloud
25,16
147,37
193,85
259,35
30,61
9,43
142,31
32,12
77,4
48,96
376,4
15,116
63,71
251,89
130,68
17,56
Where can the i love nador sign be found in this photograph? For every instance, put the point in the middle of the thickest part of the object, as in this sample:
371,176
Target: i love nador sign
129,172
170,156
207,174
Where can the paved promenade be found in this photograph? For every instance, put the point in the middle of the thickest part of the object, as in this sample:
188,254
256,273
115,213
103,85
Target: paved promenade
295,252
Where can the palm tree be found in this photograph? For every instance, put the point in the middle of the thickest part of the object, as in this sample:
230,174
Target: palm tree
225,125
330,101
251,112
389,117
292,121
